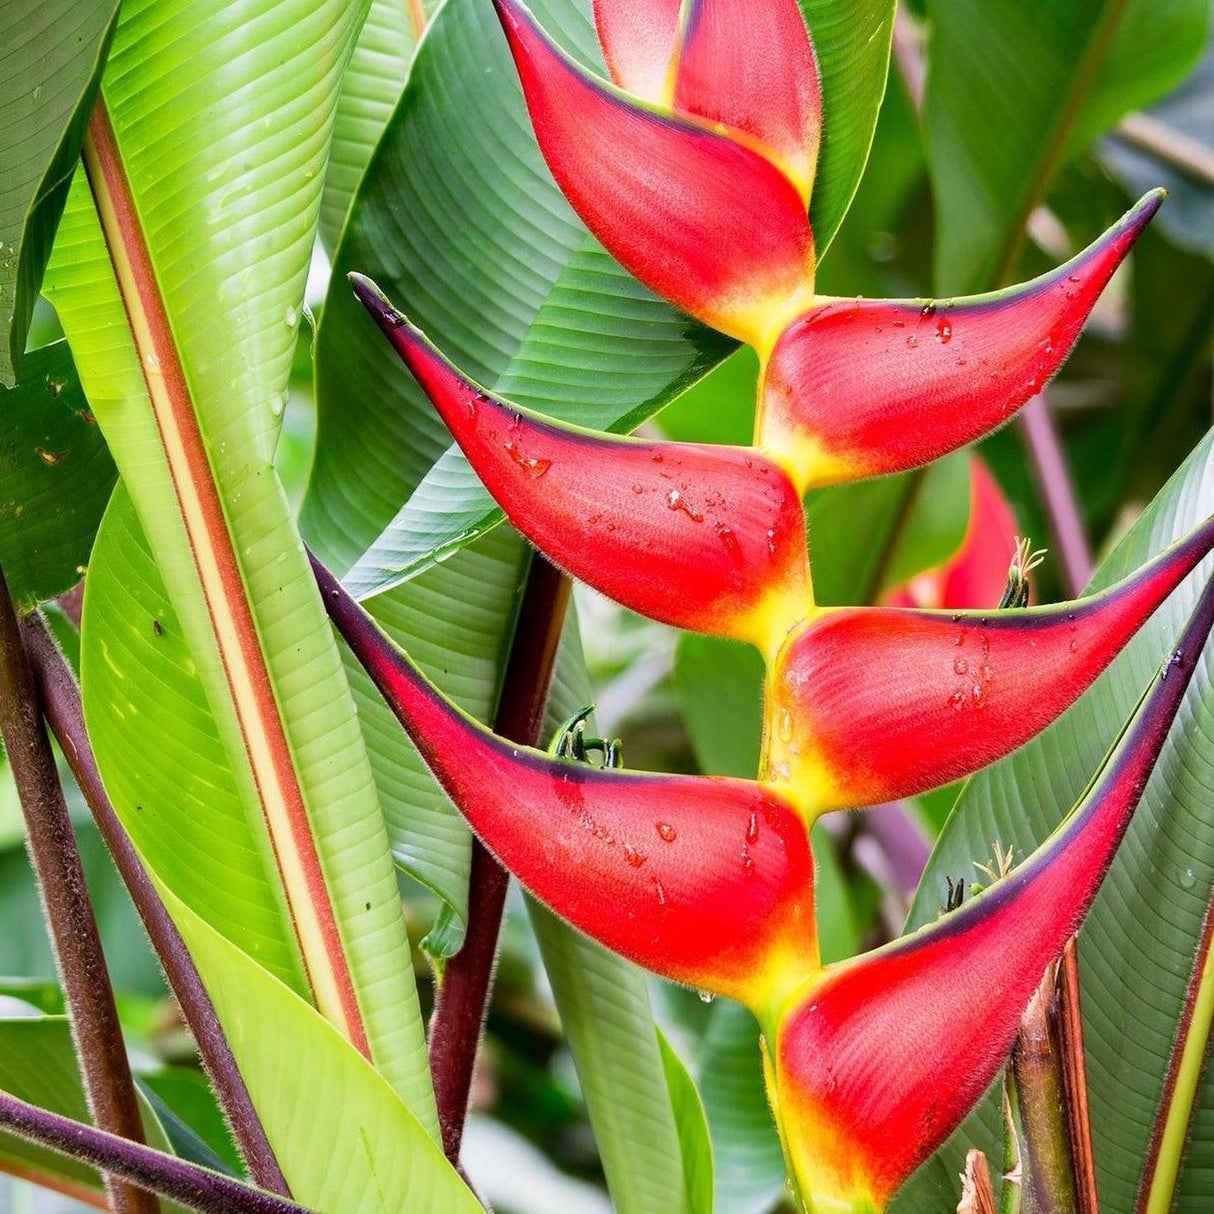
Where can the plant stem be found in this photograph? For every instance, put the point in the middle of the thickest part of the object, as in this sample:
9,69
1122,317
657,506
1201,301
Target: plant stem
109,1088
1057,493
61,705
463,995
1184,153
185,1183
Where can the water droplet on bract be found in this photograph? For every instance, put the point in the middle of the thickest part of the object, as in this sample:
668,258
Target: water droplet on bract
634,857
979,695
785,726
912,341
661,893
1073,278
656,456
706,996
944,332
928,309
771,542
676,501
727,537
667,833
960,665
959,639
752,828
957,700
638,489
152,362
279,403
1074,646
291,316
1188,878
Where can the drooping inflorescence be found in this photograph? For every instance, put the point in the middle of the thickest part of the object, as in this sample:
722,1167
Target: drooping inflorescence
694,166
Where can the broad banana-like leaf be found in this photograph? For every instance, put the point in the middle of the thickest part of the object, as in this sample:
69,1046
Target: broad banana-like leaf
178,276
370,88
985,188
50,66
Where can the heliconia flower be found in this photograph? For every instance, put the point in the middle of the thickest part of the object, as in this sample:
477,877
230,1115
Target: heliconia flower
876,704
697,215
745,66
878,1059
863,387
706,881
976,574
708,538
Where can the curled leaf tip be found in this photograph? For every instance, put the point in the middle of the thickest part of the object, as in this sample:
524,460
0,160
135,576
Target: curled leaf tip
878,1060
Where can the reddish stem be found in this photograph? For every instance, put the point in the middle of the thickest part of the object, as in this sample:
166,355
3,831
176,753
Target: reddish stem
106,1071
459,1013
61,705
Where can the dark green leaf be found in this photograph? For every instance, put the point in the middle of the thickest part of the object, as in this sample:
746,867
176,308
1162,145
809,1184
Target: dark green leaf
1015,89
51,57
56,476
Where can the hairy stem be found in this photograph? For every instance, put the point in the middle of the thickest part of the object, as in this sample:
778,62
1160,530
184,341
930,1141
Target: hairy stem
459,1013
60,698
152,1171
106,1071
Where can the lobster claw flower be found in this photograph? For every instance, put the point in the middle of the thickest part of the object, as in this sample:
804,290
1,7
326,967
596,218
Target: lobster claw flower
706,881
976,574
877,1060
863,387
701,537
701,217
875,704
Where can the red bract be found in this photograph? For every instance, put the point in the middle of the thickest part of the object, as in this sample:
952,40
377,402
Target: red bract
858,693
762,87
878,1060
704,220
706,881
863,387
976,574
701,537
639,39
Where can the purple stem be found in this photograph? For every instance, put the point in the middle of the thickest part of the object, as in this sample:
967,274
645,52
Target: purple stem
185,1183
64,712
105,1069
1057,494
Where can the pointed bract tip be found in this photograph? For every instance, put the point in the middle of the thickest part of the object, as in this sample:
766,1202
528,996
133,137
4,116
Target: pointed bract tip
375,301
1143,211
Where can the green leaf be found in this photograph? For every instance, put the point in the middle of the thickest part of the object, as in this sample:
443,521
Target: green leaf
38,1065
695,1145
852,41
370,89
1138,945
359,1149
1018,87
50,65
729,1068
221,116
56,475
